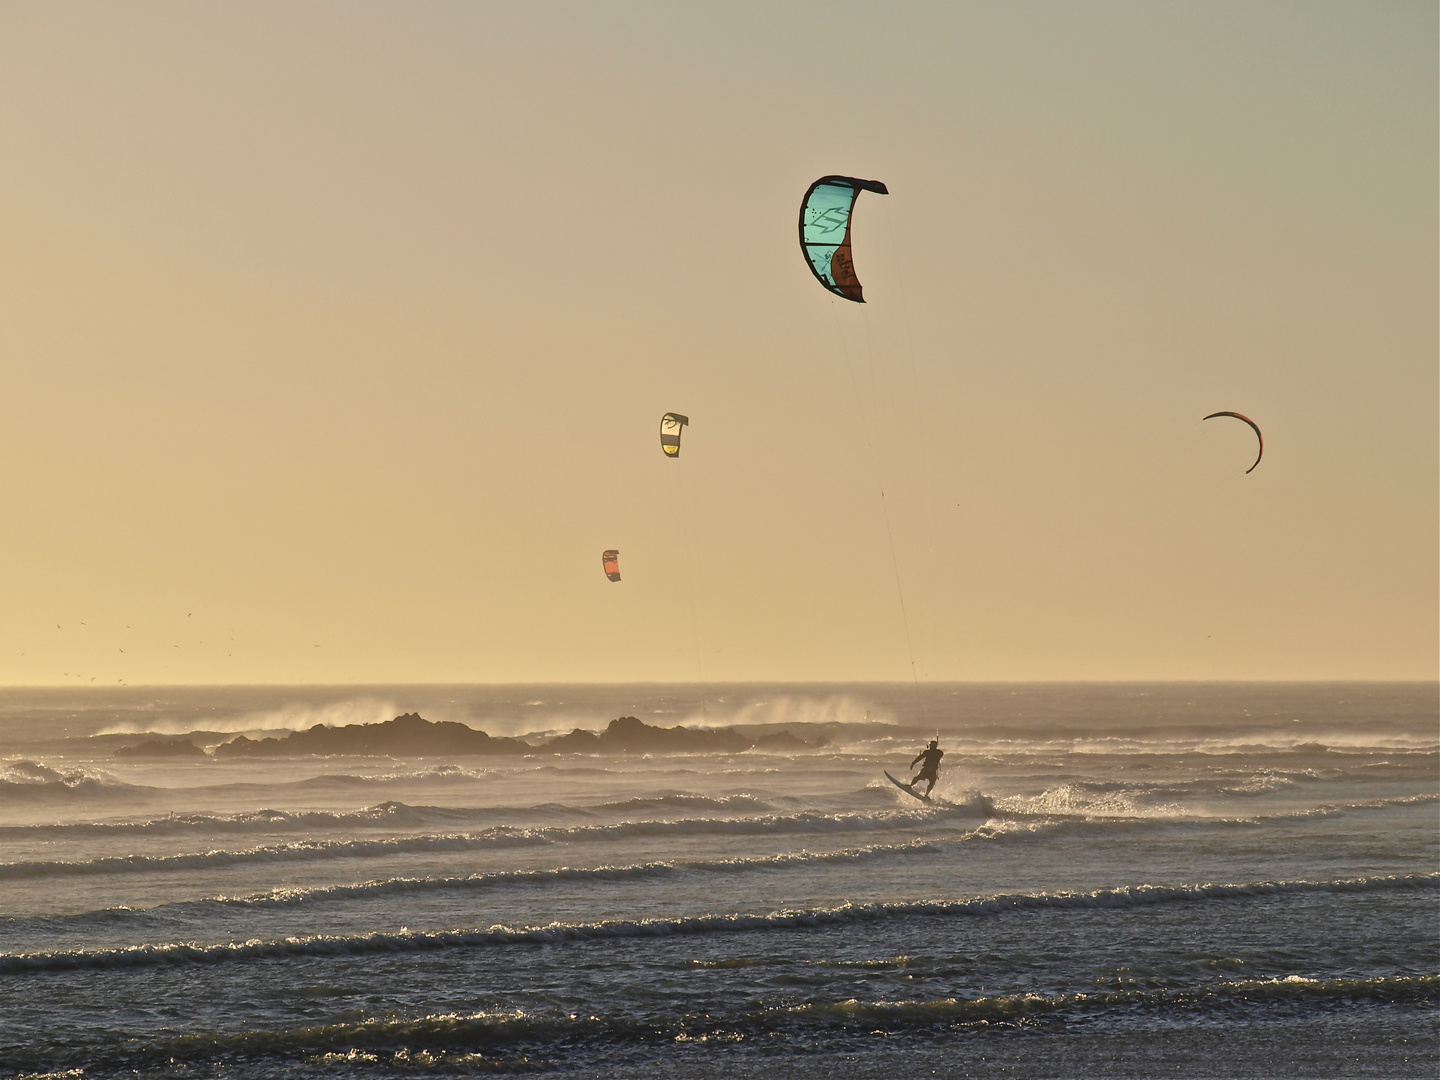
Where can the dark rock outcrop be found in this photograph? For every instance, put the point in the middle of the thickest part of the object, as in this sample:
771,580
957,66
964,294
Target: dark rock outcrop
410,735
631,735
413,736
784,740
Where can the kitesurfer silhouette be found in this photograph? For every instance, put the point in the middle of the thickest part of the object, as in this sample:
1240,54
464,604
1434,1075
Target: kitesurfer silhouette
930,770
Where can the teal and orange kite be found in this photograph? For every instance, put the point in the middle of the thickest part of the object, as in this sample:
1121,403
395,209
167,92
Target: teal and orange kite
825,232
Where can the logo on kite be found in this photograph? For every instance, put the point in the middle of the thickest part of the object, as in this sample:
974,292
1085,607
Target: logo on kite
611,561
1242,416
670,425
825,231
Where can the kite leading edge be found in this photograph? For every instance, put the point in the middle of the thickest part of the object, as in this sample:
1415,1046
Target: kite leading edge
1242,416
825,231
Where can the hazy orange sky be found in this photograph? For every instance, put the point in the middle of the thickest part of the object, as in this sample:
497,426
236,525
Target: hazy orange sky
334,340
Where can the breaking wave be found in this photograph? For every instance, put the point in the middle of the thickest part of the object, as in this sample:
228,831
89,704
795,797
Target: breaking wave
503,837
395,815
1005,820
29,782
1121,802
502,1040
1136,896
385,887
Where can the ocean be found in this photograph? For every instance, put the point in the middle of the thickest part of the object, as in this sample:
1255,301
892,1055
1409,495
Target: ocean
1211,880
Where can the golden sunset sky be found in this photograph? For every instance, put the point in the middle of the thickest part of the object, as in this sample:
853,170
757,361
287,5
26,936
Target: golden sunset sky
334,339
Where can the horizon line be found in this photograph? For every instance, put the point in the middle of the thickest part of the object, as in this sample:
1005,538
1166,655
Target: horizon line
897,683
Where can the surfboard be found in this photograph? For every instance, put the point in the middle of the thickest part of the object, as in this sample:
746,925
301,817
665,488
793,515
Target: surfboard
908,791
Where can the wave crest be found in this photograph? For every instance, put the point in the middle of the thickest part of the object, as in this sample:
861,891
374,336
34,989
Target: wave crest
503,1040
1133,896
503,836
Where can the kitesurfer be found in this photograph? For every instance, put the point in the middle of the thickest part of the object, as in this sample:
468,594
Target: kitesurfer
930,770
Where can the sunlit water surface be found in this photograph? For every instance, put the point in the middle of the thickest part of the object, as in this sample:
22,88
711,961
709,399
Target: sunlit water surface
1217,880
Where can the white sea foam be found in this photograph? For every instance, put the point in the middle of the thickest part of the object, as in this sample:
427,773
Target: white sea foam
294,717
795,709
